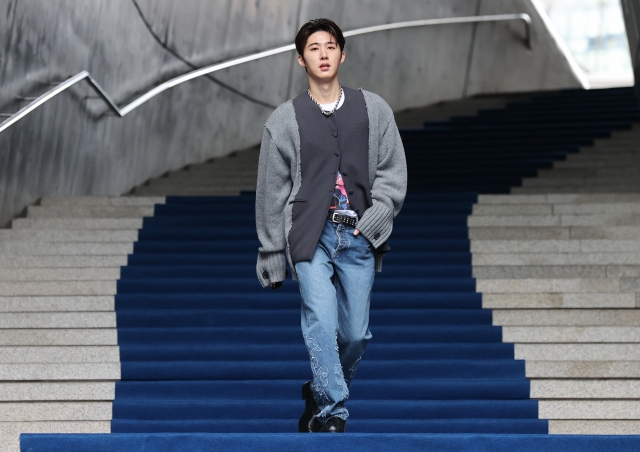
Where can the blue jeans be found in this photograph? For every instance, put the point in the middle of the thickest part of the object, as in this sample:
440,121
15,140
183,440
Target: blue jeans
336,292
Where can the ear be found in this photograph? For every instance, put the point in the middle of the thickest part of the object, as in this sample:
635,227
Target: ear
344,55
301,61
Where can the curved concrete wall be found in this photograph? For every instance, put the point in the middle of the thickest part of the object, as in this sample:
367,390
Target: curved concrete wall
69,147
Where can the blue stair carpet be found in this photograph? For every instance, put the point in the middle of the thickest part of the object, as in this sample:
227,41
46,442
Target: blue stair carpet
210,360
205,349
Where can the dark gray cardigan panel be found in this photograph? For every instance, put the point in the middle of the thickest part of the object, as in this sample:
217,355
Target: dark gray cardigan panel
339,141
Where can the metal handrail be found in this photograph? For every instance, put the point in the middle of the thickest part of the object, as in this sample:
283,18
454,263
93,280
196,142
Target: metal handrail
84,75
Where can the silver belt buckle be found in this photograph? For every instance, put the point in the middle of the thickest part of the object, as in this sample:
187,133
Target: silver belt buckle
333,217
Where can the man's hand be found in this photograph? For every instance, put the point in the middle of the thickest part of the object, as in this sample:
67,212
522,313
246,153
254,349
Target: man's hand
356,232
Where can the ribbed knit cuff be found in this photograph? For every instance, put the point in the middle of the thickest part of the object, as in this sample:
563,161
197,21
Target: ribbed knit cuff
271,268
376,223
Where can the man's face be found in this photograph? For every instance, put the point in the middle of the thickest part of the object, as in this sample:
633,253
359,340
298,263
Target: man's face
322,56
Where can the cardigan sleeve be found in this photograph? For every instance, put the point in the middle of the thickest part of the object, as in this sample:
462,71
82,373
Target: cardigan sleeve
389,186
273,188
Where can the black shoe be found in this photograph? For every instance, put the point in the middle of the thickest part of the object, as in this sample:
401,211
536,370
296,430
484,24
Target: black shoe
334,424
308,422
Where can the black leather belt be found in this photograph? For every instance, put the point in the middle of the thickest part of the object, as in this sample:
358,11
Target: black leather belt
343,219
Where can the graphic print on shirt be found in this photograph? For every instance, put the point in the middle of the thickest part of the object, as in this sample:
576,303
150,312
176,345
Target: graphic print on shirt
340,200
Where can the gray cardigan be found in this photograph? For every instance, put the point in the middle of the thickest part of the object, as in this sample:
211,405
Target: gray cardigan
279,179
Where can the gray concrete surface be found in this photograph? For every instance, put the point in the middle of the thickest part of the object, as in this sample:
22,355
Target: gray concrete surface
70,148
561,273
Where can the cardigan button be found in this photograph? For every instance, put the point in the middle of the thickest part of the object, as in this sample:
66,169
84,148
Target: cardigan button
350,192
376,236
334,134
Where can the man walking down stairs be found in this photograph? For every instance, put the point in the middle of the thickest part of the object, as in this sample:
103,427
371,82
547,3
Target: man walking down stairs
201,357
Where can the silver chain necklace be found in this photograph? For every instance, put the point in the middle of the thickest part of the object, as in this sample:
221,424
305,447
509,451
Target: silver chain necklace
325,112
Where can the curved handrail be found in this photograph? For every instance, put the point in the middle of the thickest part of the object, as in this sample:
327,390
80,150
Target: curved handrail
236,61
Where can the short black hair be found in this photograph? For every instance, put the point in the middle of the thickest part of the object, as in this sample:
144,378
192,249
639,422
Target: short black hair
314,26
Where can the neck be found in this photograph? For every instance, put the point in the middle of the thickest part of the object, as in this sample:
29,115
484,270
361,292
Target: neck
325,92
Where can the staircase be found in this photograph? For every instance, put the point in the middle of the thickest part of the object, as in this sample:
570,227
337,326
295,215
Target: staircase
498,317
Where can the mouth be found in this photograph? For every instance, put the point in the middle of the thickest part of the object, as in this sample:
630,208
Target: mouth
325,66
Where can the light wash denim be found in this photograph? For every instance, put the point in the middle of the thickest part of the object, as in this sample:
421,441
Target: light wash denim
336,292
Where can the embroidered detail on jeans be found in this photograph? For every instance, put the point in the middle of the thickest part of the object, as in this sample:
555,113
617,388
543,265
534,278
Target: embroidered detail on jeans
320,394
311,344
314,364
323,376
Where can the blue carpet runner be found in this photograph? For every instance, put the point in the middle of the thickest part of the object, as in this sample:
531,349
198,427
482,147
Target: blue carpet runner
207,353
205,349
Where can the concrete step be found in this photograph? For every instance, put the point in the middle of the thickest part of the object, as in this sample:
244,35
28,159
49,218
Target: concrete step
77,223
56,304
589,409
60,371
591,427
219,191
515,286
582,369
55,411
219,176
520,221
21,320
586,189
68,261
553,220
526,246
193,182
96,201
611,260
247,168
93,235
509,210
59,274
231,189
618,208
571,334
538,271
555,233
605,232
59,336
609,208
575,198
560,300
21,248
622,171
59,354
556,271
557,246
578,352
58,288
568,317
56,391
585,389
88,212
602,183
522,233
